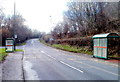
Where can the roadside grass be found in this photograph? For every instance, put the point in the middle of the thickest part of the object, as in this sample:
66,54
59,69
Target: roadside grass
44,43
80,50
73,49
115,56
69,48
21,44
19,50
3,54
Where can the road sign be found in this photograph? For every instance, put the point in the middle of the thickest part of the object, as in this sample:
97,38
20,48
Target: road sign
15,35
9,45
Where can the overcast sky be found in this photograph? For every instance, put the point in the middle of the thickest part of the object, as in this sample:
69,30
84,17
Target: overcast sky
39,14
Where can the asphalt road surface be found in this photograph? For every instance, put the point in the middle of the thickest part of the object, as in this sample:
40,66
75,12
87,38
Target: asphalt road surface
41,62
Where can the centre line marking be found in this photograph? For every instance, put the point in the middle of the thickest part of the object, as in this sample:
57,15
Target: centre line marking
71,66
51,57
42,51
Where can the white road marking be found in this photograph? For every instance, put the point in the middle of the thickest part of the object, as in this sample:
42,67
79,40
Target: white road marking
98,68
64,63
30,73
71,66
42,52
51,57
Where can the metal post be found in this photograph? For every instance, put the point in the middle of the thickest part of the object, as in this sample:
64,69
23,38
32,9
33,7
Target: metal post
14,44
14,28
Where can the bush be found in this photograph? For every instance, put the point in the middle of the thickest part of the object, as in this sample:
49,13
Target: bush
113,44
83,41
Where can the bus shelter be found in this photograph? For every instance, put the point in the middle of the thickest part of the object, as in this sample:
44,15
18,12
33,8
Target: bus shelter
9,45
100,44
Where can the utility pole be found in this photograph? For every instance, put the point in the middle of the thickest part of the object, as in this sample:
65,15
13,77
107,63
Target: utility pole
14,35
119,13
14,10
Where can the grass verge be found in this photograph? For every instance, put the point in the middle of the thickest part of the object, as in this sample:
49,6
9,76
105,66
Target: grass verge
70,48
45,43
21,44
19,50
3,54
73,49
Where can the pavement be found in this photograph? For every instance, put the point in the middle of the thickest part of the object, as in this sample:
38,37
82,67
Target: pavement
41,62
2,46
0,72
12,67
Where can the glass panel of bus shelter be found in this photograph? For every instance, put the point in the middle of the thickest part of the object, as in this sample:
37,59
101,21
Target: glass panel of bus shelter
102,46
98,49
9,45
95,48
9,48
9,42
105,47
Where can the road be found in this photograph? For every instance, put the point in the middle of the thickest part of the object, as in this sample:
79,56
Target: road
41,62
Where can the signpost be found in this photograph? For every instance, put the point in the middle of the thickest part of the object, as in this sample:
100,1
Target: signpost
9,45
15,36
